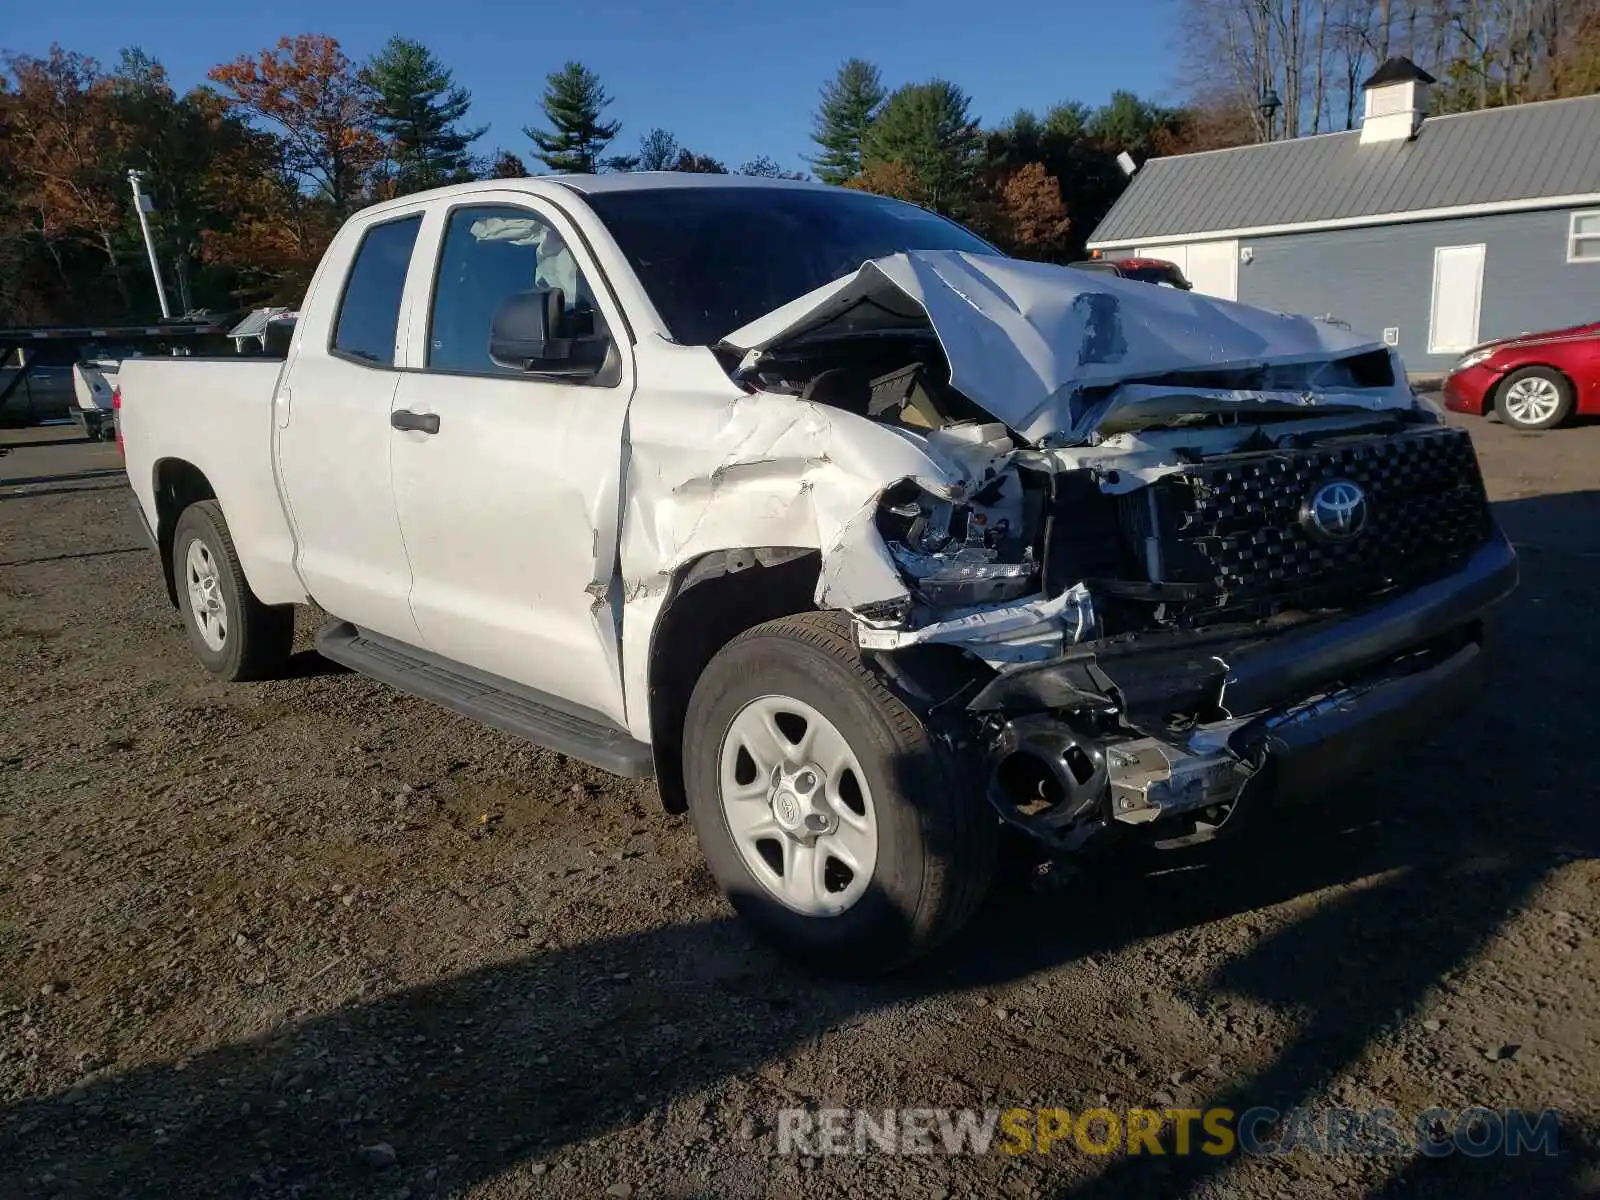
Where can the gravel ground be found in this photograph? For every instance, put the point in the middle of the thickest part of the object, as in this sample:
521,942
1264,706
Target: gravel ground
311,937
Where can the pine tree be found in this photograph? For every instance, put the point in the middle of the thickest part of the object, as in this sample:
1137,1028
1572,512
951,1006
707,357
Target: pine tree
415,108
573,101
925,128
850,100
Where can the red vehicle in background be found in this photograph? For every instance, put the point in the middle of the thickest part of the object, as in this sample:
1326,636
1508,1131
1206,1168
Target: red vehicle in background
1533,380
1145,270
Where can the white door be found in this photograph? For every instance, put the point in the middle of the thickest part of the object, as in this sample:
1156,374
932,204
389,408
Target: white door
1212,267
333,444
510,506
1457,298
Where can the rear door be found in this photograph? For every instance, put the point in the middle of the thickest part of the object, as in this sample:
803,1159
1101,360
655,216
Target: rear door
333,440
509,506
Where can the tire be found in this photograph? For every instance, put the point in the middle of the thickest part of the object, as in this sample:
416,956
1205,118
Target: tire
935,836
1534,398
244,638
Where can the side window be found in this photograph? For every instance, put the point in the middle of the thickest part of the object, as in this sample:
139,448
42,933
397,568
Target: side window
369,312
1583,237
491,253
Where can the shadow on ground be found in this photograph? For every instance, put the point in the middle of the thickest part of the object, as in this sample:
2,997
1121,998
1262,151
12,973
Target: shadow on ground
515,1061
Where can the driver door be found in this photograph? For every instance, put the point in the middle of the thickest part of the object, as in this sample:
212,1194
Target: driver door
506,482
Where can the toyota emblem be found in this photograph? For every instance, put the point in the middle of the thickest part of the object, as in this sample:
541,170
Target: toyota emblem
1336,511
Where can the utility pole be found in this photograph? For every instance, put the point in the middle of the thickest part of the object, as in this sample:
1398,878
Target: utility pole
143,205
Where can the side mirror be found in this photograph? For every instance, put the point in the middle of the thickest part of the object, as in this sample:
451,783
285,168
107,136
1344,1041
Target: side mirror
528,330
533,332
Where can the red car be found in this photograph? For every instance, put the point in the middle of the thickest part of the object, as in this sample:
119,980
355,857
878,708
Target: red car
1533,380
1145,270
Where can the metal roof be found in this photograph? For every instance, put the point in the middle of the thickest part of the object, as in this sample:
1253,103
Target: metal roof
1515,156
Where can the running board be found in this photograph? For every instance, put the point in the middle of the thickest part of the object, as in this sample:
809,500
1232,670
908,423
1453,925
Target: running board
510,707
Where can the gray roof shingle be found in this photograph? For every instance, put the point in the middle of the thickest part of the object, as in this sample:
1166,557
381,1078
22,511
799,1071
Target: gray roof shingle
1524,152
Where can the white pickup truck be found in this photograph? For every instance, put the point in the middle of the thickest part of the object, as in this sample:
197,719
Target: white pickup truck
866,541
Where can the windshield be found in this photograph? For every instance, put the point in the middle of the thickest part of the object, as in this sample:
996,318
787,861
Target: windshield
713,259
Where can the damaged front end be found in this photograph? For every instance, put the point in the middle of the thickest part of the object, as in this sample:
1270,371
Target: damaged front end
1184,552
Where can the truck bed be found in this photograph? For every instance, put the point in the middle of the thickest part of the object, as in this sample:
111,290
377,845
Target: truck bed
213,416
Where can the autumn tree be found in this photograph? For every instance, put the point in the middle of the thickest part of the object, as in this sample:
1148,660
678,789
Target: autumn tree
416,109
850,101
1030,220
195,156
893,179
696,164
307,93
573,102
507,165
925,128
61,153
269,234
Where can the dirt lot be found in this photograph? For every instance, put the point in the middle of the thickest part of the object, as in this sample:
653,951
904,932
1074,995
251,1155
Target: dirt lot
310,937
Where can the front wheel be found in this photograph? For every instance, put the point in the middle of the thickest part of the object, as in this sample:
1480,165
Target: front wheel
1534,398
832,820
235,635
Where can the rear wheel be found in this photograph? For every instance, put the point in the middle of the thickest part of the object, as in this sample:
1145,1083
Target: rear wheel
834,823
1534,398
235,635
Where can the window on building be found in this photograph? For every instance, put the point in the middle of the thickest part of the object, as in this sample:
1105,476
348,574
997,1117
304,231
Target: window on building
1583,237
369,311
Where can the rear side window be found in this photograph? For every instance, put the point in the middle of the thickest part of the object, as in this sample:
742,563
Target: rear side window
369,313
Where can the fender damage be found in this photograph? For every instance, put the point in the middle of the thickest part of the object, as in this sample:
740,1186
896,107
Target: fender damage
956,434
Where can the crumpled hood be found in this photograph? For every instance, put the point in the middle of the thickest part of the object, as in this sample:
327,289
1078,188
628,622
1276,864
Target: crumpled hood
1025,339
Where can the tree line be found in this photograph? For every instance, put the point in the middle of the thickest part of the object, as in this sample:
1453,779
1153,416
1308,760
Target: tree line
1312,55
252,172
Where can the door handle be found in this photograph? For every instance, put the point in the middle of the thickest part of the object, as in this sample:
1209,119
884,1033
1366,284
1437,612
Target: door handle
404,418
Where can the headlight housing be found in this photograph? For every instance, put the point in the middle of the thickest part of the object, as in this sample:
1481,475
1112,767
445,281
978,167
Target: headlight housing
955,554
1473,359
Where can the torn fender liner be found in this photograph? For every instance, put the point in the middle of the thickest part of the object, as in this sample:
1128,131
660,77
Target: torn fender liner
1024,340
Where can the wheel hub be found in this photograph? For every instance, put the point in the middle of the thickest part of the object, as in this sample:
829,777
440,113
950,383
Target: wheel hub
799,804
206,603
1533,400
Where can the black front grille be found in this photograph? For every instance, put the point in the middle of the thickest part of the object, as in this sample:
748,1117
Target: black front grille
1231,528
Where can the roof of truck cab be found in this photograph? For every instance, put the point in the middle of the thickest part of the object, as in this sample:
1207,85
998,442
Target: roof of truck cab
589,185
653,181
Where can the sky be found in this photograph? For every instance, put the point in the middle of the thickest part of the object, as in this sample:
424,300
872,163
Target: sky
731,78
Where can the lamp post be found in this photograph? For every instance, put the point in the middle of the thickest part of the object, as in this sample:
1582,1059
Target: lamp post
143,205
1269,104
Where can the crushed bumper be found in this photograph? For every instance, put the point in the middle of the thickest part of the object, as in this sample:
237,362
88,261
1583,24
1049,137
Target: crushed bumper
1263,716
1297,753
1468,391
